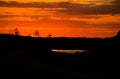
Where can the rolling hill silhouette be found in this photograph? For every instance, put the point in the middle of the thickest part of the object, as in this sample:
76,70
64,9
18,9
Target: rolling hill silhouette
23,54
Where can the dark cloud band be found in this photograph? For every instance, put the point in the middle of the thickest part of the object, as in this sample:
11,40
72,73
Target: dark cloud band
70,8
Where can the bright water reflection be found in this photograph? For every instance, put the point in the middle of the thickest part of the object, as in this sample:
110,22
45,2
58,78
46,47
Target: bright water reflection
69,51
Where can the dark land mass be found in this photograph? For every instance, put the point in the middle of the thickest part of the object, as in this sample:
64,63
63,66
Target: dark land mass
29,57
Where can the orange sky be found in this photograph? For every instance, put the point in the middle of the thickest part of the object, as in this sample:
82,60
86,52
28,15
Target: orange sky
61,18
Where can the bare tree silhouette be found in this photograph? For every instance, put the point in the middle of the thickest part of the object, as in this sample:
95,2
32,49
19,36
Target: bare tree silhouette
16,32
49,36
36,33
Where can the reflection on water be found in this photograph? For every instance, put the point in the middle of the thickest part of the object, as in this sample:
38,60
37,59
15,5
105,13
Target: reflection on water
69,51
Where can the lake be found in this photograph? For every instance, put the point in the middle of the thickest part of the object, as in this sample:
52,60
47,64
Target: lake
69,51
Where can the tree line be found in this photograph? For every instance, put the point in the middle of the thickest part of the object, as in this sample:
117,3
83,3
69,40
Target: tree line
36,33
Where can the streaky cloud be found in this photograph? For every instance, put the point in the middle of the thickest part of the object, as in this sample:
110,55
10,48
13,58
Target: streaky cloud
69,8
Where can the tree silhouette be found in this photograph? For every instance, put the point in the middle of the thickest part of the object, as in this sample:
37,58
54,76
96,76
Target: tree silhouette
49,36
37,33
16,32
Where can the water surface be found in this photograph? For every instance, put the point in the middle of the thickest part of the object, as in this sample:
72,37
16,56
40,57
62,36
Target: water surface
69,51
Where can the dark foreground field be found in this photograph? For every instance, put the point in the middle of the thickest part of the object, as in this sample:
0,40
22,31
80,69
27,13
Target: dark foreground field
27,57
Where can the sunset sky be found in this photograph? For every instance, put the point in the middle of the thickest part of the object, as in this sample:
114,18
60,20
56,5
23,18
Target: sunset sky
61,18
